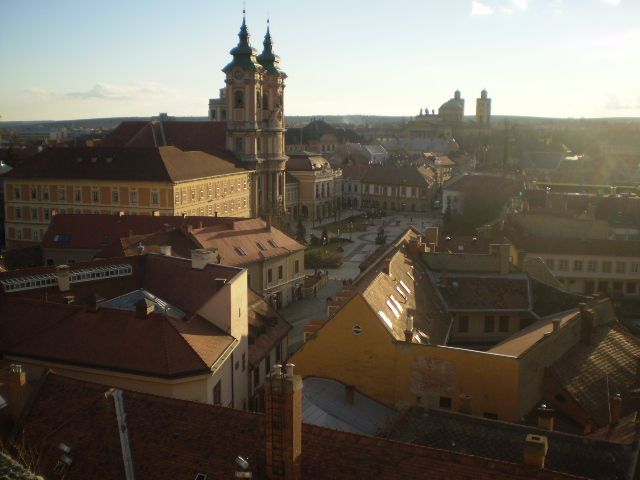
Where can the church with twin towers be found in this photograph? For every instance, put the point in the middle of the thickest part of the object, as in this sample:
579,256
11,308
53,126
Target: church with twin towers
252,106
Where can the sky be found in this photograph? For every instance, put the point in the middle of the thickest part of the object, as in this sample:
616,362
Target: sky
69,59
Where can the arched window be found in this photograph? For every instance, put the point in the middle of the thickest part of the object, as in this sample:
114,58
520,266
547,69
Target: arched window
258,99
239,145
238,99
265,102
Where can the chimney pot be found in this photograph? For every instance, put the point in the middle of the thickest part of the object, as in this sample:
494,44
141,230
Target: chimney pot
63,273
545,417
289,369
17,390
535,450
350,394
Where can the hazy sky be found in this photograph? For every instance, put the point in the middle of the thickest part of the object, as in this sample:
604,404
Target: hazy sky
68,59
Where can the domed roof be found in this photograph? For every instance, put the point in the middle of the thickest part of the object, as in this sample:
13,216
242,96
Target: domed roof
452,104
306,161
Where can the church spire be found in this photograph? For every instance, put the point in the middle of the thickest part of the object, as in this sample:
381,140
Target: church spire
269,60
243,55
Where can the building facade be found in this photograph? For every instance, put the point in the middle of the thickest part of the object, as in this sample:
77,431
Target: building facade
252,105
149,181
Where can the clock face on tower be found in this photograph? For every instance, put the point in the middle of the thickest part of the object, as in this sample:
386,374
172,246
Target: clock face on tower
238,74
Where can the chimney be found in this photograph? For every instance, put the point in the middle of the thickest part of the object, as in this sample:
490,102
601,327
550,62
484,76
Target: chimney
165,250
615,407
555,323
350,394
268,222
68,299
465,404
586,324
201,257
545,417
144,308
386,266
535,450
17,390
283,402
408,333
63,275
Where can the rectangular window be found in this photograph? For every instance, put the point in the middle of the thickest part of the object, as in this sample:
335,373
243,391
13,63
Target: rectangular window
115,195
46,214
210,210
503,323
269,276
635,268
36,235
296,266
62,194
463,324
18,234
201,192
280,272
564,265
489,324
95,196
239,145
592,266
177,198
16,192
577,265
133,197
77,194
34,214
209,190
193,193
606,267
217,393
34,193
550,263
18,213
621,267
224,188
45,193
155,197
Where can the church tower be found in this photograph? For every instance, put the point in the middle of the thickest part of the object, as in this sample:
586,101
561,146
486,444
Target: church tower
483,109
252,106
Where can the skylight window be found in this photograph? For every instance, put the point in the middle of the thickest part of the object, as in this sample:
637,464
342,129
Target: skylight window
396,303
411,276
404,285
273,243
261,246
393,309
240,251
384,317
401,292
61,238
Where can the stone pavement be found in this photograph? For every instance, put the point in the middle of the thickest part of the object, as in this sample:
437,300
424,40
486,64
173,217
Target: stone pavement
299,313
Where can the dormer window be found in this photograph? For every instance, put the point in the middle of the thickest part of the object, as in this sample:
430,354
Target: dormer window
273,243
261,246
240,251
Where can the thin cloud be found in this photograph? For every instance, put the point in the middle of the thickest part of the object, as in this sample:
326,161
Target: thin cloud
103,91
479,8
615,102
613,3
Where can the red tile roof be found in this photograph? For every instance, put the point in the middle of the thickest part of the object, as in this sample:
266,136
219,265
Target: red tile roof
147,164
485,292
115,340
171,439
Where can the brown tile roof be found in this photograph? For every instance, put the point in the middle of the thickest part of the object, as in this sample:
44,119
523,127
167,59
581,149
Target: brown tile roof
518,344
409,176
422,302
243,235
172,438
591,372
476,182
485,292
145,164
205,136
306,161
569,454
180,242
118,340
98,231
266,328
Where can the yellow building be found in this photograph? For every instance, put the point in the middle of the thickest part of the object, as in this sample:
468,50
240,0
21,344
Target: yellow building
391,339
136,181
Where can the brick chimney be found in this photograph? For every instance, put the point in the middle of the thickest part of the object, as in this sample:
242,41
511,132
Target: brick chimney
586,324
63,273
545,417
465,404
535,450
615,407
283,402
17,390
